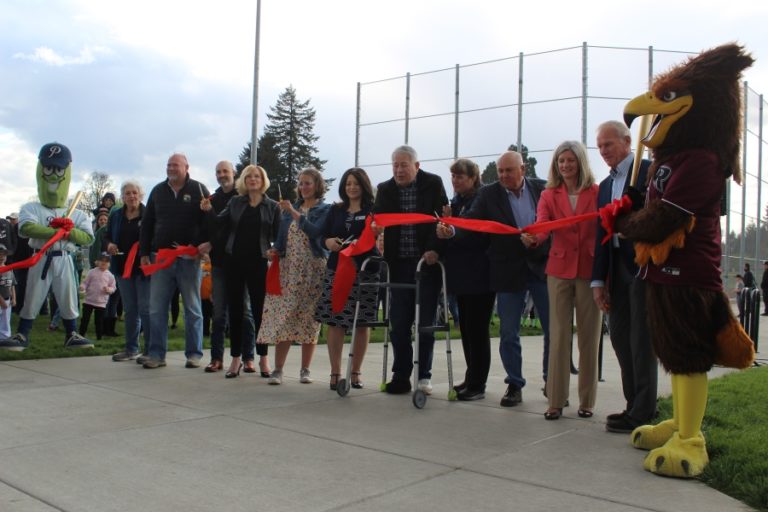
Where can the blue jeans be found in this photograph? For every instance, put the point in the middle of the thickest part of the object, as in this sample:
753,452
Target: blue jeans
134,293
186,275
220,314
402,314
510,306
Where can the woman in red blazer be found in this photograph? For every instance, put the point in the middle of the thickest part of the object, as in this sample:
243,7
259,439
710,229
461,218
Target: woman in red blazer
571,190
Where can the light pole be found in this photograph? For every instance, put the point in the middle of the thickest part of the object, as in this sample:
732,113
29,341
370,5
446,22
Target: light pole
254,128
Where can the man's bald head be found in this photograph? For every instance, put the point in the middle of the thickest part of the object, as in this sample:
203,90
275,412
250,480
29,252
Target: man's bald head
511,170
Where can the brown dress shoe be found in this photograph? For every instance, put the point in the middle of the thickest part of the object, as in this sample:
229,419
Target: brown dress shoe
216,365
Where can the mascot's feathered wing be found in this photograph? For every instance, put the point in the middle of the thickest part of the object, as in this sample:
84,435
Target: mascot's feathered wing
695,143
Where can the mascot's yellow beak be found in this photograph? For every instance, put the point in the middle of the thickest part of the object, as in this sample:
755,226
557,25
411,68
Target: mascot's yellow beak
668,110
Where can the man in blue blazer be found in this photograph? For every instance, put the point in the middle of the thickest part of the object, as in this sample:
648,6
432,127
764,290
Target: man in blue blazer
516,263
619,292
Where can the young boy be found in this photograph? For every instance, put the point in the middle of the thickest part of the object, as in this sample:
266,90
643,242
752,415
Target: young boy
99,284
7,295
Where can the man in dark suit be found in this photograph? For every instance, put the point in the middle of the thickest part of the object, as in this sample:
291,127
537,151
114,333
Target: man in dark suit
516,263
411,190
619,293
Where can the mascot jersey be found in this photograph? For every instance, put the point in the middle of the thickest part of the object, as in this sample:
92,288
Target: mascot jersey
60,274
39,214
697,263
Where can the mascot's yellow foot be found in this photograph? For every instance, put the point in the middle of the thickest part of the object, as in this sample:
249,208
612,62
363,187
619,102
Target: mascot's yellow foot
681,458
648,437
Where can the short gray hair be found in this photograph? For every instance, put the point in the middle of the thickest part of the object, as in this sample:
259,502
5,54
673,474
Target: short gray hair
132,183
408,150
621,129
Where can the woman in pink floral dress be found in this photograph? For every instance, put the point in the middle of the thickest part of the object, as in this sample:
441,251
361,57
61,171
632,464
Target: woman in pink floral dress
289,317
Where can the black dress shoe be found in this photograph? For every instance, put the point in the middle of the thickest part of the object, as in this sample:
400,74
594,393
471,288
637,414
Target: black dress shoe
622,425
398,386
460,387
616,416
512,397
468,395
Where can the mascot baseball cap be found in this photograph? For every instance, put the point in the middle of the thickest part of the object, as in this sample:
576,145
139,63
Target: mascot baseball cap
56,155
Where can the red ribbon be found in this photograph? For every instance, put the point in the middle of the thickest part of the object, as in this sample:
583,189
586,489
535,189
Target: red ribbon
273,277
166,257
129,260
609,212
64,229
346,271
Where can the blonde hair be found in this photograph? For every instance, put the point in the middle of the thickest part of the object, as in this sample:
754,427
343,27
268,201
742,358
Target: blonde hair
252,169
586,178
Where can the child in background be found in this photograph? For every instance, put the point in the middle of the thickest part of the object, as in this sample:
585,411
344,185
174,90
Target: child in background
99,284
7,295
206,294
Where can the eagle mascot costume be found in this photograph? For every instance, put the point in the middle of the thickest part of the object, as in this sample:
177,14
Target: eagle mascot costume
694,138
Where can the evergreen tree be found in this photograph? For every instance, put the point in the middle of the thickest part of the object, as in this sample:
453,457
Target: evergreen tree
267,158
490,173
291,125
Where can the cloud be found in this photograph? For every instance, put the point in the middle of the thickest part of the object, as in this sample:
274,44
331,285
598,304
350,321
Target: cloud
52,58
17,172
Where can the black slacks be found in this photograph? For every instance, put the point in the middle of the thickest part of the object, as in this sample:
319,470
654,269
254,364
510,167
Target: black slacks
631,341
475,312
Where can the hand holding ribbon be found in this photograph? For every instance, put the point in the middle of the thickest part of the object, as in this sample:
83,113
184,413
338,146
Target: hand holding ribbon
62,223
166,257
610,212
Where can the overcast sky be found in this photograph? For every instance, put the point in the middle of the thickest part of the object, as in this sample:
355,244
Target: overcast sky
125,84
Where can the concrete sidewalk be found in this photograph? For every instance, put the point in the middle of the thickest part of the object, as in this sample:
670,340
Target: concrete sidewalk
87,434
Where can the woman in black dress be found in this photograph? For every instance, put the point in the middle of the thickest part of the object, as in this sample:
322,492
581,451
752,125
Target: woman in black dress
345,223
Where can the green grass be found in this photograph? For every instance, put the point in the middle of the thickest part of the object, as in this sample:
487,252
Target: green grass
736,430
47,345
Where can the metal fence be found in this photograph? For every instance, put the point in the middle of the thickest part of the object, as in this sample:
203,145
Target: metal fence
538,100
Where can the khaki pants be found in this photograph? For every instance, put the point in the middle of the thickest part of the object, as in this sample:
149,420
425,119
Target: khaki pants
564,295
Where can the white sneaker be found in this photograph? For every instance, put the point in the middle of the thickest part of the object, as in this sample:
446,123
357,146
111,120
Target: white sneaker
425,385
304,377
276,378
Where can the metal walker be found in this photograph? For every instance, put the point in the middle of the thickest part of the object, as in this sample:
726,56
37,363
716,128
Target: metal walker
419,397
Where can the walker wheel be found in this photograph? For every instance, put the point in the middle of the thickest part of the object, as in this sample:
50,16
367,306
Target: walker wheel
419,399
453,395
383,387
342,387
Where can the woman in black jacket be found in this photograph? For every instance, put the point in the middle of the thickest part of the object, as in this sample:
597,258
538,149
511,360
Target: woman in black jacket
253,220
467,275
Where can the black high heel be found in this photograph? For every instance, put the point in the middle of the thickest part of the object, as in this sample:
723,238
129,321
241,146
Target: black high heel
264,374
359,383
232,375
334,381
